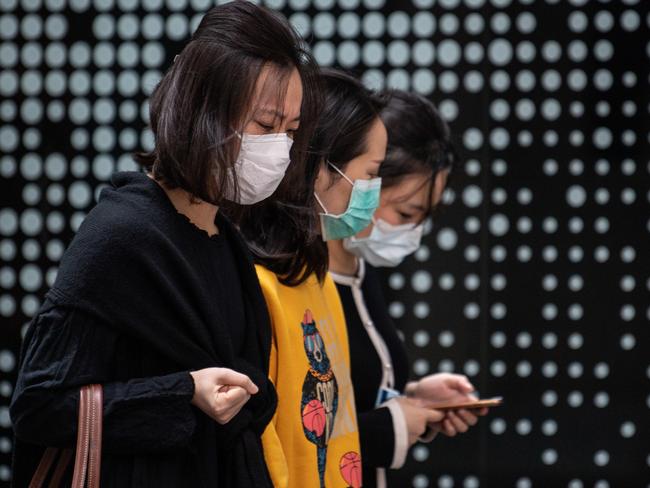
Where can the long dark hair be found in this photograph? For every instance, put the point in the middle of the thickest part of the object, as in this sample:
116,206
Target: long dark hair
204,99
419,140
284,231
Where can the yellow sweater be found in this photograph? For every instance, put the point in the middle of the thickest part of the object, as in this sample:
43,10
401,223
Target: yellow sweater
313,439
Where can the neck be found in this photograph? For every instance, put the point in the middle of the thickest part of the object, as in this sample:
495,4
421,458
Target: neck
202,214
341,261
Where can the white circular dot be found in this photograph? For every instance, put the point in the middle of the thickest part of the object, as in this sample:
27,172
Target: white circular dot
601,254
576,225
396,310
575,311
498,426
498,282
448,53
446,339
628,342
628,254
524,427
575,370
575,399
421,454
498,368
549,311
549,254
601,399
421,367
549,340
524,254
471,311
498,311
421,338
601,458
628,429
472,253
498,339
447,239
500,52
601,370
524,369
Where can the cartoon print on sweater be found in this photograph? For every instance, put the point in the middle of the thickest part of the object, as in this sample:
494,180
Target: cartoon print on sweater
320,395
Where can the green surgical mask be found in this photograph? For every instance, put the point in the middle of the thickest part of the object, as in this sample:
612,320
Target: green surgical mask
364,200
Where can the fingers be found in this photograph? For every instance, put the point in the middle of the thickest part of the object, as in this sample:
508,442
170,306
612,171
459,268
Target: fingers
447,428
457,422
467,416
229,377
228,403
433,416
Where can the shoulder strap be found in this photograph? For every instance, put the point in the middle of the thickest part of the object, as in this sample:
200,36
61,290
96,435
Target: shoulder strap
87,464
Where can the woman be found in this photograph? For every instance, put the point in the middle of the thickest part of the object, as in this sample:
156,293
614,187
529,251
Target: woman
313,440
157,298
392,413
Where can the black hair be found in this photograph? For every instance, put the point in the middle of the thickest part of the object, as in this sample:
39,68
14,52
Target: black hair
349,111
284,230
419,139
204,99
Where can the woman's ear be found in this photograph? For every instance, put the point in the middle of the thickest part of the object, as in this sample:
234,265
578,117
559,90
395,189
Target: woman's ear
323,178
439,184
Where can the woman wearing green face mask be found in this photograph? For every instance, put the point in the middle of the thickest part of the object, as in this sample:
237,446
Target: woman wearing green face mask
392,412
313,440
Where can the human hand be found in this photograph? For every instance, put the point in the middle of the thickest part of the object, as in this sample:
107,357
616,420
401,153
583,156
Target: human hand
448,388
442,388
458,421
221,392
418,418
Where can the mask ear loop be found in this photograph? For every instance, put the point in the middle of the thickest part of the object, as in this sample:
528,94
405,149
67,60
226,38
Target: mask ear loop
320,203
341,173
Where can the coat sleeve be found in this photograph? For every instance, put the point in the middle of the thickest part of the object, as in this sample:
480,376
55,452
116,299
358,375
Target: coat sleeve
64,350
377,437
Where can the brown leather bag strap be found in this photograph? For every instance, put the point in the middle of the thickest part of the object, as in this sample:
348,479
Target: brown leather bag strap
44,466
87,466
83,439
61,468
95,456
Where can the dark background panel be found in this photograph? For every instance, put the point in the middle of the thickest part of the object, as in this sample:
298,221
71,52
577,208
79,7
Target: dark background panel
533,281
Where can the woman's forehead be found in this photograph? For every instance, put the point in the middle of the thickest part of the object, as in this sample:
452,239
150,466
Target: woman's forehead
278,94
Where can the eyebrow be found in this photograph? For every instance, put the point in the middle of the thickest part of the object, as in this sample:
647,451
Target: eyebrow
278,114
417,207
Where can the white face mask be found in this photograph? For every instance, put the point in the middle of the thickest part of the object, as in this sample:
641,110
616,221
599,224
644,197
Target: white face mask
387,245
260,167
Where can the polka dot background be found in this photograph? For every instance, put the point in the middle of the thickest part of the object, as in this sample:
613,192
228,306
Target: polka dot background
534,282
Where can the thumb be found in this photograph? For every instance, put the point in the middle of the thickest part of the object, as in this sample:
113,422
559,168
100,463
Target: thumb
233,378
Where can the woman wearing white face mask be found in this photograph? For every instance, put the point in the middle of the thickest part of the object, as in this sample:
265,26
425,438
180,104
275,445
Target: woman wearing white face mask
392,416
156,299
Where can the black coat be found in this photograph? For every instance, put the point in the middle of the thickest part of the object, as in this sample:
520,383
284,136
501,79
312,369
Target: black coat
375,424
137,304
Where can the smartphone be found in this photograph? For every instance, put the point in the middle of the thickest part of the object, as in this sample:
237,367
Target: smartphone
488,402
